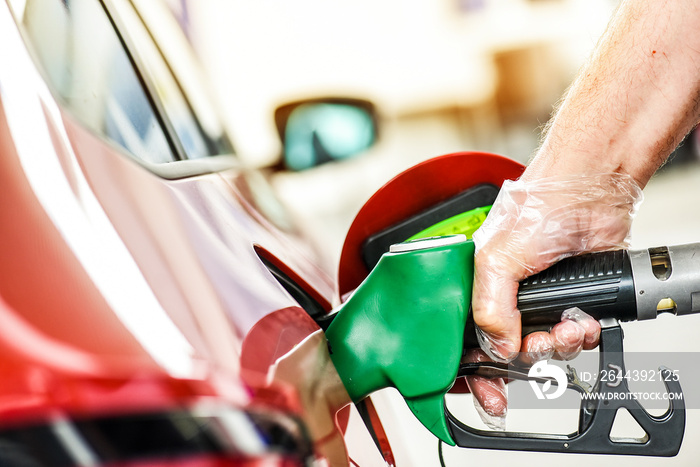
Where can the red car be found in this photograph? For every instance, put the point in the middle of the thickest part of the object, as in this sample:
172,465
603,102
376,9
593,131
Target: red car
158,306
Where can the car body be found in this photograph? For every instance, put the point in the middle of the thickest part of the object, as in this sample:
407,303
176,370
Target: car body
150,285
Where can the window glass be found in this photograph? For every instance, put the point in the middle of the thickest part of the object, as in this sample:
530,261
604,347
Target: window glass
87,65
168,58
195,142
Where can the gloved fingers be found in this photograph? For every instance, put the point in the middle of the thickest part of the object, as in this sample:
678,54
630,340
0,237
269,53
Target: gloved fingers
490,400
565,341
577,331
490,395
537,346
568,338
590,325
495,309
502,345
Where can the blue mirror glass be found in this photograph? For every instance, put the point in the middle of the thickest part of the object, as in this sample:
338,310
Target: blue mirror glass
317,133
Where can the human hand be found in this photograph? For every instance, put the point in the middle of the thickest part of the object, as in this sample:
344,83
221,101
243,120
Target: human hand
532,225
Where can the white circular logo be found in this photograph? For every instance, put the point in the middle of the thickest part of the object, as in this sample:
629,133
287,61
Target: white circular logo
544,370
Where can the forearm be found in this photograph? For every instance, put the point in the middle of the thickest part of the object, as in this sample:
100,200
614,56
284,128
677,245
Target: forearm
635,100
631,106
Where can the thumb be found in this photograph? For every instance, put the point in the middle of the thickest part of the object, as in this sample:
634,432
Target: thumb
494,307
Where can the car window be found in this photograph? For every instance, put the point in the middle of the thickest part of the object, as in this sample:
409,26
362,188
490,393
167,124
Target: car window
174,55
196,140
87,66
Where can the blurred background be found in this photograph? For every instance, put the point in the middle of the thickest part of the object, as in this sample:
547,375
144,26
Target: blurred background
441,75
434,76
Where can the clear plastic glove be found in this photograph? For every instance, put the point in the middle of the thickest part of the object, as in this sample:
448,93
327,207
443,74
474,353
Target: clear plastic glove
490,395
531,226
577,331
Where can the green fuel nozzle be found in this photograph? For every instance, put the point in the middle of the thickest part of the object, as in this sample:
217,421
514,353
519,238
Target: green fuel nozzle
406,327
403,327
407,324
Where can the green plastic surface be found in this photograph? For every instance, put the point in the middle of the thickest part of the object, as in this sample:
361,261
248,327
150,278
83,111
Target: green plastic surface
465,223
403,327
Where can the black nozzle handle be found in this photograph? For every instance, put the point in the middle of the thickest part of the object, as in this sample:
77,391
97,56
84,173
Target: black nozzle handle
601,284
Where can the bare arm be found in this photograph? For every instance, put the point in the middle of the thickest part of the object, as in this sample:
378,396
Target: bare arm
636,99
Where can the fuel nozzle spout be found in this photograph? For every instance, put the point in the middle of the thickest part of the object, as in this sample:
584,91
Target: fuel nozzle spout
403,327
667,279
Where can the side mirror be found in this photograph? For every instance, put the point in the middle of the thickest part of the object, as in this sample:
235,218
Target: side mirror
317,131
